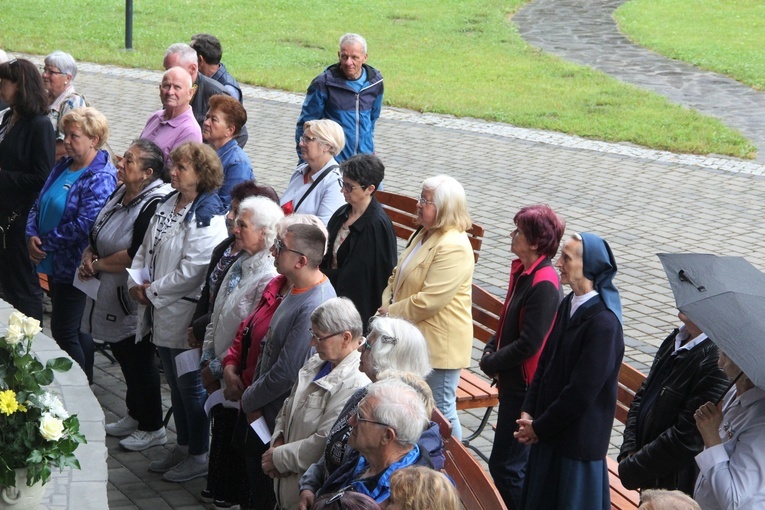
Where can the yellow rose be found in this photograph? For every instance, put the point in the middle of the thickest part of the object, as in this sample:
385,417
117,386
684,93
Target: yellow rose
31,327
13,334
51,428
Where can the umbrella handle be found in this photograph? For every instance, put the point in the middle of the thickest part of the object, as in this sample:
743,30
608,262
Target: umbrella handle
729,387
685,278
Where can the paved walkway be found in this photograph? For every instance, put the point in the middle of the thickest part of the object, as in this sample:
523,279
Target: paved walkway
584,31
642,202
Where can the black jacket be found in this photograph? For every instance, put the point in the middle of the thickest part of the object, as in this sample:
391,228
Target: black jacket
573,395
365,260
26,159
203,311
660,425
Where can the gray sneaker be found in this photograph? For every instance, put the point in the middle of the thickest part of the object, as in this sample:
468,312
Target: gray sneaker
124,427
168,461
142,439
186,470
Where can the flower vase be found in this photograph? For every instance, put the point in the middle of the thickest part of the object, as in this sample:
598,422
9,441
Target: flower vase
21,497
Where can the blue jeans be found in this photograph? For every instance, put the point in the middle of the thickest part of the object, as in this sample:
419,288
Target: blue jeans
188,398
443,383
68,307
507,463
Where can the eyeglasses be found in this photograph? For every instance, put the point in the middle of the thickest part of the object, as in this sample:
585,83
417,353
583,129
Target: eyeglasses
360,418
339,495
424,201
48,70
279,246
305,139
320,339
348,187
365,345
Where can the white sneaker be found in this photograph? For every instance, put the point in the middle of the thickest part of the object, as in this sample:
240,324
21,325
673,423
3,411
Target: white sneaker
186,470
168,461
124,427
142,439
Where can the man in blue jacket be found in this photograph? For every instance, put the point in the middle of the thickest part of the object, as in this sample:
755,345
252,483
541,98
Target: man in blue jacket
349,93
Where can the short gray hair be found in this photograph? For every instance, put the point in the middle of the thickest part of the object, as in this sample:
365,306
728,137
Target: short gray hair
351,38
327,132
263,213
337,315
399,345
399,407
64,61
660,499
187,54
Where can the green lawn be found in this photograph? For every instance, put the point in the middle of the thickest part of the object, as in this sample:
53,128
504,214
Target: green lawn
726,36
455,56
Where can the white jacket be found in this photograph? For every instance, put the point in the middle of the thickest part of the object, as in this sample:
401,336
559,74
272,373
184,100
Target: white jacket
232,307
177,266
306,418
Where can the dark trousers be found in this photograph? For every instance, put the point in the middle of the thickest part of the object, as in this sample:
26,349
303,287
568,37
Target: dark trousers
18,277
226,468
68,307
260,486
143,397
507,463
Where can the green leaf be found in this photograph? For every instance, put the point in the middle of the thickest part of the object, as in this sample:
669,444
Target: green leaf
59,364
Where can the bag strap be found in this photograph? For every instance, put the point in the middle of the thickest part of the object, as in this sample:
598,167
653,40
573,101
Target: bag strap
314,184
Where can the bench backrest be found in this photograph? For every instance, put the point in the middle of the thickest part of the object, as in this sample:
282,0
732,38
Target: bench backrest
630,380
402,211
474,486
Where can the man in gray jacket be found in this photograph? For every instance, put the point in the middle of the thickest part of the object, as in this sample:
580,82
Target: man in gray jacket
298,250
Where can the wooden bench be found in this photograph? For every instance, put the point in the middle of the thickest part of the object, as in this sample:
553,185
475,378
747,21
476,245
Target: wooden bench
474,485
402,211
630,380
476,391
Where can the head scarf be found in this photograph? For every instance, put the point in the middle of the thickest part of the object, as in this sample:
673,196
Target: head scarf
599,266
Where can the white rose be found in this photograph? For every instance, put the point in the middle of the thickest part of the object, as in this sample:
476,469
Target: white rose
16,319
31,327
13,334
51,428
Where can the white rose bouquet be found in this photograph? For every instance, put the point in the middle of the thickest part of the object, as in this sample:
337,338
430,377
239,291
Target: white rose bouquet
36,432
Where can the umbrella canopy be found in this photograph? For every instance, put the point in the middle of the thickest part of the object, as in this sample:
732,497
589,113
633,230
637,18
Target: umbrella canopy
725,298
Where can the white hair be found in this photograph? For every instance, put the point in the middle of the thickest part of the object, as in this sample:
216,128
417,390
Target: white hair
64,61
400,407
263,213
398,345
187,54
350,38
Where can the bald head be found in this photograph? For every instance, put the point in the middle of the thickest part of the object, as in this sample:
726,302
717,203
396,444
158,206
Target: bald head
176,90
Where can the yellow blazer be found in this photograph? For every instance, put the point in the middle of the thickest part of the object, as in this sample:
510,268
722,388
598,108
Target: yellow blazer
434,292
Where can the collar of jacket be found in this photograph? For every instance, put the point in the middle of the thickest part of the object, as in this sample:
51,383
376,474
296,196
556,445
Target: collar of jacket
586,311
204,207
338,79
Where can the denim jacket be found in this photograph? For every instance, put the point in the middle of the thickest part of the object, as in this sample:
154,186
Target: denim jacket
87,196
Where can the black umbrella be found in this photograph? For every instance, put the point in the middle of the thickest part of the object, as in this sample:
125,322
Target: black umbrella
725,298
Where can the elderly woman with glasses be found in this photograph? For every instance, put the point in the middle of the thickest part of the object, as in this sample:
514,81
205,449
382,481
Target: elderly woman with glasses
313,187
324,384
431,286
393,347
58,73
362,243
60,221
